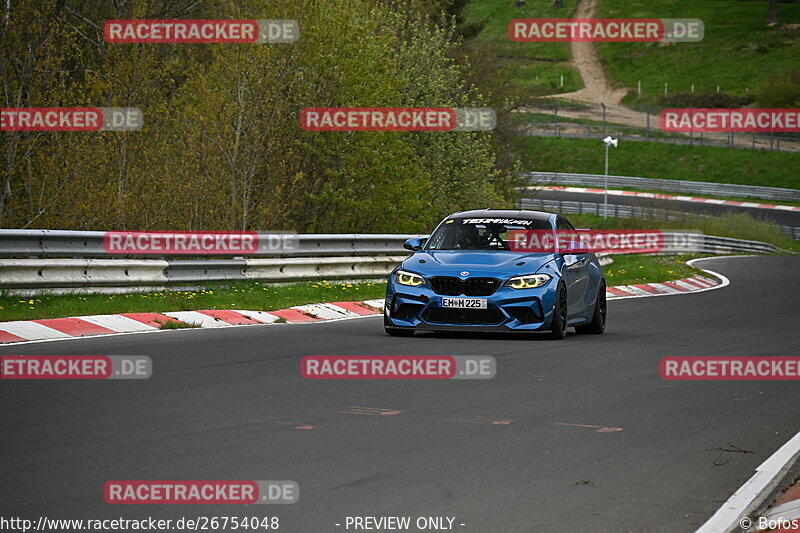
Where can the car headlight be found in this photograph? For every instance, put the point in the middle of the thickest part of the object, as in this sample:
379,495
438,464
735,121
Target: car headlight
528,282
408,278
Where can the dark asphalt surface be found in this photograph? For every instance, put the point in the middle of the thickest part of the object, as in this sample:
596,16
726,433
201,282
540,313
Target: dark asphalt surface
777,216
225,404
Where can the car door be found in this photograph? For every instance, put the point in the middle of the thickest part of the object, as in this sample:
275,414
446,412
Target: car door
576,274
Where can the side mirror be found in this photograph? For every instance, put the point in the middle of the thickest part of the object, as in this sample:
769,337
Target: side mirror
415,244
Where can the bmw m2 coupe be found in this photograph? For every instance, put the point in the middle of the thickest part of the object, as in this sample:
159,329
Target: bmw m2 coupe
479,272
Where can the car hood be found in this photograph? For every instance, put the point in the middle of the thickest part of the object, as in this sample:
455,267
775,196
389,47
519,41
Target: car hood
476,262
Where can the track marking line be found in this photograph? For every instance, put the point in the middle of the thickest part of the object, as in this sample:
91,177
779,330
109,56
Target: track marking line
370,411
118,323
229,316
750,495
28,329
297,425
598,429
321,311
485,420
196,317
260,316
74,327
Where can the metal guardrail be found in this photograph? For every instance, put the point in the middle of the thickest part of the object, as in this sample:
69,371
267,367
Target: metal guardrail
54,259
675,186
567,207
158,274
127,275
60,243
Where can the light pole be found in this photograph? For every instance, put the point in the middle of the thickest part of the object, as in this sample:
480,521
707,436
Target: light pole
608,141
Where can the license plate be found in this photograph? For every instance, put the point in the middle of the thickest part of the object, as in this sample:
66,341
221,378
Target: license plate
465,303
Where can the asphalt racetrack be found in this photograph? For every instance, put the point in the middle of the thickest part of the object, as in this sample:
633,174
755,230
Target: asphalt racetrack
576,435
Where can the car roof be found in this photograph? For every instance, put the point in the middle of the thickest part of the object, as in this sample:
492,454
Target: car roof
503,213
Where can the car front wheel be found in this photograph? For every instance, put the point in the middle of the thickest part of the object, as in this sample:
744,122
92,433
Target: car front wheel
558,327
598,324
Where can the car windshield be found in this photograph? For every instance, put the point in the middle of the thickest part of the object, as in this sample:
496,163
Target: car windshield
480,233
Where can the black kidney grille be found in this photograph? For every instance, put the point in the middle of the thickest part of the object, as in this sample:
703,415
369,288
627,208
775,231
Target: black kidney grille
447,286
450,286
480,286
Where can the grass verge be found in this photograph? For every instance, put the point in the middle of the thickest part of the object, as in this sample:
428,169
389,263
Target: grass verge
738,51
178,324
734,225
664,161
638,268
252,296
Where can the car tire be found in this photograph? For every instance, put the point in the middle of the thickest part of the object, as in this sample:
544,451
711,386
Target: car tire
395,331
558,326
598,324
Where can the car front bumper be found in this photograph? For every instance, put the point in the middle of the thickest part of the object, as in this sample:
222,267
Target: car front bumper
507,309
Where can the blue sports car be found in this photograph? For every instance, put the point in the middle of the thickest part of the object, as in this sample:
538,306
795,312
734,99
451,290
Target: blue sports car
469,276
